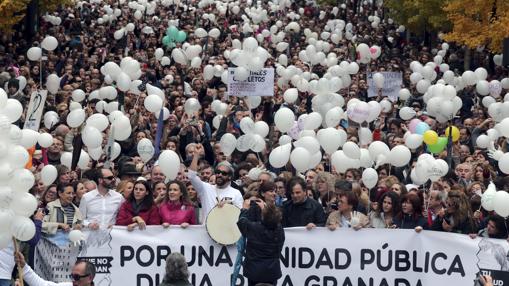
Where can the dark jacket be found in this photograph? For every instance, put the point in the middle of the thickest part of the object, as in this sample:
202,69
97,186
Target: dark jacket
310,211
175,283
410,222
263,248
465,227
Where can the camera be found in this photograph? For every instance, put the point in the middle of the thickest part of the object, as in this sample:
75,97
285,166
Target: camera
334,206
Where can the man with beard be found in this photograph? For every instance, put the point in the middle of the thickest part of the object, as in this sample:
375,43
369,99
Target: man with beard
211,195
99,207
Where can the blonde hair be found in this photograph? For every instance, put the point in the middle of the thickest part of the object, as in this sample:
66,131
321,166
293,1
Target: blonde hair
324,177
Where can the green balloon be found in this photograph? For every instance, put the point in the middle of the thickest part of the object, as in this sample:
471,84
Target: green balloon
166,40
439,146
172,32
181,36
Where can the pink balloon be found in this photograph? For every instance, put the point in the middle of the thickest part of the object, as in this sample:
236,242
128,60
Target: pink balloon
413,124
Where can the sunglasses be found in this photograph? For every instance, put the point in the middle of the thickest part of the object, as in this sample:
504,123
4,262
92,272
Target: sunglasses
77,277
222,173
109,178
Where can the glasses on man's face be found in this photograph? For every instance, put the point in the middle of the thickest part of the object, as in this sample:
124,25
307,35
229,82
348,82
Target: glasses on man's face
77,277
223,173
109,178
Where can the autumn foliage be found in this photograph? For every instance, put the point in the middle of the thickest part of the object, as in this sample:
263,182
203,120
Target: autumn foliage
418,15
478,23
13,11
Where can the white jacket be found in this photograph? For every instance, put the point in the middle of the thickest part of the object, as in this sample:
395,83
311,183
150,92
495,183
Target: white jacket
34,280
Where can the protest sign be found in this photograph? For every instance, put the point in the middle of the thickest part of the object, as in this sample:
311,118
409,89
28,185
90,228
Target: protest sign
309,258
392,85
35,109
260,83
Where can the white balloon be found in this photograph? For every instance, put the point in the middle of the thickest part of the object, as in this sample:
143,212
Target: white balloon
481,74
377,148
191,106
228,143
78,95
503,163
261,128
400,156
96,153
34,53
330,139
214,33
504,125
99,121
48,174
22,228
122,128
6,196
17,157
45,140
159,53
407,113
76,236
92,138
379,80
413,141
145,149
25,204
404,94
482,87
13,110
76,118
123,82
300,158
313,121
284,119
291,95
28,138
279,157
6,217
333,116
153,103
49,43
169,162
369,177
309,143
501,203
351,150
487,197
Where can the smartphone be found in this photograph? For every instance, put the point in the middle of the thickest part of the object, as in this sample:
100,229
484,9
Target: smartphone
344,123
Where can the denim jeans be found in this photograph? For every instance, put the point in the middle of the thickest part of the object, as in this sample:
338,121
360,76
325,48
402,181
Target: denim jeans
5,282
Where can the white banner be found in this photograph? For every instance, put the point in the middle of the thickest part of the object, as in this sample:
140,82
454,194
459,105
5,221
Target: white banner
35,109
309,258
259,83
392,85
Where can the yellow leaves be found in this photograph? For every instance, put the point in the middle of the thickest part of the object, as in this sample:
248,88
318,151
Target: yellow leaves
478,23
418,15
52,5
11,12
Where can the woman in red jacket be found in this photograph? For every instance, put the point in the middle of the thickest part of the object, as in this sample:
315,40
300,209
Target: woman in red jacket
139,209
177,209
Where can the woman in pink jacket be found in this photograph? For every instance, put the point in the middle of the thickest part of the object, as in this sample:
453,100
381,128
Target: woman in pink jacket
139,209
177,209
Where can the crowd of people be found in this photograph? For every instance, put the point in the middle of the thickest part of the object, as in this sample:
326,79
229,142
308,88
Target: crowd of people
135,194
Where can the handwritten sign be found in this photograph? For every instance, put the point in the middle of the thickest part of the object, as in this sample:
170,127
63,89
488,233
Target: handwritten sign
35,109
